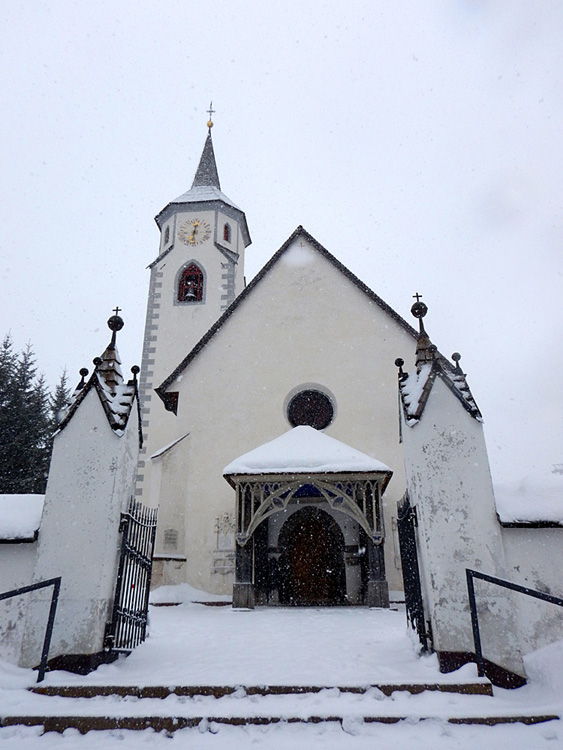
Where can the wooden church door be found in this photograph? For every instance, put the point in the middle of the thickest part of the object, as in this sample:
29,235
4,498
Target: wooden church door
312,564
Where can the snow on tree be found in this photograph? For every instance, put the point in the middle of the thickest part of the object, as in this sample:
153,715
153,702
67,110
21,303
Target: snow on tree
26,422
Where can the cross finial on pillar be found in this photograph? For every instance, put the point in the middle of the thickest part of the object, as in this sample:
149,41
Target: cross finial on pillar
117,310
417,296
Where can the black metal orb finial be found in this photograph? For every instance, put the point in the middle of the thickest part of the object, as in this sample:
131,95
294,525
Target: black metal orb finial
456,356
419,309
115,323
83,372
97,361
399,362
135,370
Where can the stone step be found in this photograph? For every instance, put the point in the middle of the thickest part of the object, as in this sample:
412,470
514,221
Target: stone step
106,707
170,724
477,687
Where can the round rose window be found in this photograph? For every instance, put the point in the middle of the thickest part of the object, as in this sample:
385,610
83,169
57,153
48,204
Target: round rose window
312,408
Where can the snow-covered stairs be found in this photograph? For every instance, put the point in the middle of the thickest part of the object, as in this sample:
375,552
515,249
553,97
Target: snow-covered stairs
98,707
320,669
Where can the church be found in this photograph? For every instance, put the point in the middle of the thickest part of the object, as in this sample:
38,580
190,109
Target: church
299,443
272,437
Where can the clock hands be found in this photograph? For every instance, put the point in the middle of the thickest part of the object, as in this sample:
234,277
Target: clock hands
194,232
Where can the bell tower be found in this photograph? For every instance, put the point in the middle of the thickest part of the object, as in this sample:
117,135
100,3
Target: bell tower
198,272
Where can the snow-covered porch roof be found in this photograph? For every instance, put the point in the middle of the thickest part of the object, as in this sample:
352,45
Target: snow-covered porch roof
304,450
272,476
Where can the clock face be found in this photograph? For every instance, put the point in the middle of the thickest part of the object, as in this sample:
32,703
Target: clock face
194,232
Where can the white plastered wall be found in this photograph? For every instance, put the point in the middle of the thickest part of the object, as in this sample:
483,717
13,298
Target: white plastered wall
16,569
534,558
90,482
450,485
304,324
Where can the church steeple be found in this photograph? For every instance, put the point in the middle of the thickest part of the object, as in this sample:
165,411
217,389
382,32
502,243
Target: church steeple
207,175
204,193
197,274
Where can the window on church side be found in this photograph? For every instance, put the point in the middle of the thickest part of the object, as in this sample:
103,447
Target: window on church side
171,399
167,235
190,286
227,232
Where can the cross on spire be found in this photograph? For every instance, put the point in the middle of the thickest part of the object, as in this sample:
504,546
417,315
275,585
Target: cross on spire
417,296
210,112
117,310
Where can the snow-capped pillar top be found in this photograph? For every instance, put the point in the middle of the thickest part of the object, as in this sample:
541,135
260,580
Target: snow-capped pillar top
207,175
415,388
109,364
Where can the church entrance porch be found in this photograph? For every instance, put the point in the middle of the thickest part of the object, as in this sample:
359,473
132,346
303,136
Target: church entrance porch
306,537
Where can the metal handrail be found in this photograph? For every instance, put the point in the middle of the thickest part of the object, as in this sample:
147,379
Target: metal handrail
471,574
56,584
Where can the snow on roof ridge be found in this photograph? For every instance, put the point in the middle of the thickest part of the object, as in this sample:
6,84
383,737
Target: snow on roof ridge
304,450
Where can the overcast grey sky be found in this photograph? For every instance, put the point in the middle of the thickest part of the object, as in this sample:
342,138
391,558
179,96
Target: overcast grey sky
420,142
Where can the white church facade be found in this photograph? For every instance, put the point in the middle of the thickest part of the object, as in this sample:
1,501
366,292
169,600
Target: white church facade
287,431
305,343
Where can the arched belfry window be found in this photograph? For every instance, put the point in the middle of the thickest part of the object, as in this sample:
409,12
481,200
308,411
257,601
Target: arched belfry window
227,233
190,284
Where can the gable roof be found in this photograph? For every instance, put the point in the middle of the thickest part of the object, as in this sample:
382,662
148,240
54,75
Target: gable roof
414,389
116,396
299,232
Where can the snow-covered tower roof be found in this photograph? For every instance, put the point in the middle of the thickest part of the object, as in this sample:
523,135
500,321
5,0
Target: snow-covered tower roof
205,189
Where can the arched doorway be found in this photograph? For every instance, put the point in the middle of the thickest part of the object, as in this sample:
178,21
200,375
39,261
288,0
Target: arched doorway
311,563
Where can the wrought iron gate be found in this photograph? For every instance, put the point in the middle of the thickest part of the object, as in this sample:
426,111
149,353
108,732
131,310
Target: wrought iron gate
128,627
406,522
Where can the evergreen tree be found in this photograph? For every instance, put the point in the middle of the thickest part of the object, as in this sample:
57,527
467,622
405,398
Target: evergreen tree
58,402
25,423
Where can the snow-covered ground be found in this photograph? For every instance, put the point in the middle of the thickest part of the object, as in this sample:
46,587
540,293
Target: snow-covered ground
194,644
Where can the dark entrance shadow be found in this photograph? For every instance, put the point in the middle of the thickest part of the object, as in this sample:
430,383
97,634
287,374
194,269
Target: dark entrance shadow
311,563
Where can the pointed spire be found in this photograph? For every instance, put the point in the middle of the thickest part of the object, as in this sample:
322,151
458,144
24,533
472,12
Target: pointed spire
109,367
425,349
207,175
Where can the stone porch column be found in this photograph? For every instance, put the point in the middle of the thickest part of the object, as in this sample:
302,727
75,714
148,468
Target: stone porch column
378,588
243,588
